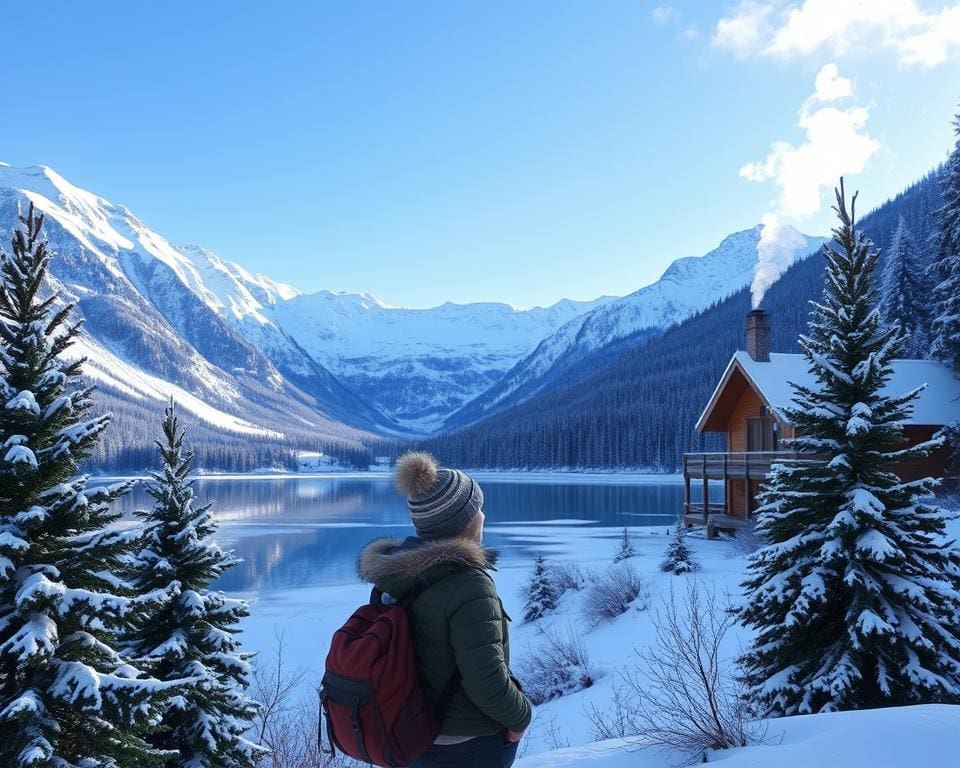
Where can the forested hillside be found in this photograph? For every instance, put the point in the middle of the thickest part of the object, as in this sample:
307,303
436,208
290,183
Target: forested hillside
128,445
639,411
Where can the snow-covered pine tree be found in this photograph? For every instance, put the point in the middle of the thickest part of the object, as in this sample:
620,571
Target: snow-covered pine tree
625,551
678,558
946,263
193,635
945,325
67,697
540,593
904,292
855,595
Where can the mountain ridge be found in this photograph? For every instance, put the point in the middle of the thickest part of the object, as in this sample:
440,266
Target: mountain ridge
638,315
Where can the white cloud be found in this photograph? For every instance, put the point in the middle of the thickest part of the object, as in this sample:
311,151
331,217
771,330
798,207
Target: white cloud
836,144
745,32
917,36
668,16
830,86
663,14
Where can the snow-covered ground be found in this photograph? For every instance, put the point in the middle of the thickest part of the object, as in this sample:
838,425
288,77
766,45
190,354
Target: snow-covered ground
306,618
924,736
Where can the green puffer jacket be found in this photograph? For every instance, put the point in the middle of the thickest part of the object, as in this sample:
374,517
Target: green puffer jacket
456,622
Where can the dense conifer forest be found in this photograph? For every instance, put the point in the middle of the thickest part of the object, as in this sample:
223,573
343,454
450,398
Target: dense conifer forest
639,411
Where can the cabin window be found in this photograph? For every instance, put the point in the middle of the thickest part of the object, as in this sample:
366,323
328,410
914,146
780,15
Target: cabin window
761,434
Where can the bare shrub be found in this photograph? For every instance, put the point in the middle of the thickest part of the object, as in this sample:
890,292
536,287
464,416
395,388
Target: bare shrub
611,592
555,666
553,734
287,723
682,696
568,577
618,719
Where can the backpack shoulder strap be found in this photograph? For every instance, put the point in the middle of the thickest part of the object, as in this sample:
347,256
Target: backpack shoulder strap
411,596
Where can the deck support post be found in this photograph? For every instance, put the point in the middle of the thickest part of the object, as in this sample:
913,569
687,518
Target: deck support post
706,491
746,484
686,487
727,488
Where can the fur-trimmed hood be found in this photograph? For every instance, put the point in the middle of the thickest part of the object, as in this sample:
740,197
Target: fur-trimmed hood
419,561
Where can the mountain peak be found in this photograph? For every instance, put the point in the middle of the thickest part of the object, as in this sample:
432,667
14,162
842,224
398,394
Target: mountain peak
45,182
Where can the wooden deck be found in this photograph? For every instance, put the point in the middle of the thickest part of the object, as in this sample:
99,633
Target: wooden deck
745,467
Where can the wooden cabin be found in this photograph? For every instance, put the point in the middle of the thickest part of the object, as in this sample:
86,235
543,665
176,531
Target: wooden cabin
748,407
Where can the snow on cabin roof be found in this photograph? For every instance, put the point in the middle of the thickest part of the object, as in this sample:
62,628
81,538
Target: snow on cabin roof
937,404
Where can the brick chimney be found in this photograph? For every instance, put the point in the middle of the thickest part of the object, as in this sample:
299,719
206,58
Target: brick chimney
758,335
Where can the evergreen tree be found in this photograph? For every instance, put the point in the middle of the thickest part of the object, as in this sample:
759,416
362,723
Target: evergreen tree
946,265
905,293
946,271
67,697
626,550
855,596
678,558
540,593
193,634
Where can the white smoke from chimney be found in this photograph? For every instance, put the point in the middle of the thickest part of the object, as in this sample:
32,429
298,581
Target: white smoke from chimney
836,145
777,248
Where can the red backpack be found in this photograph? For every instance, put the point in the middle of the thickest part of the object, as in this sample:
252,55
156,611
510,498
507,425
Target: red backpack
371,697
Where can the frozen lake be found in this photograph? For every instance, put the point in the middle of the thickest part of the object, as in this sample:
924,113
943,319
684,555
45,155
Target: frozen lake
303,532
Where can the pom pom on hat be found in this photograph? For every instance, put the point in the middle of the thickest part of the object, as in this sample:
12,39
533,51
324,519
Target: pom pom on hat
416,473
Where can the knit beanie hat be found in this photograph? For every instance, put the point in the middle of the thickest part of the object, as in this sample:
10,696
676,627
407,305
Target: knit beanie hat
442,501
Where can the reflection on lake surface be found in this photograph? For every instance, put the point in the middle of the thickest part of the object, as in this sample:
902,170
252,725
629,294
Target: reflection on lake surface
295,532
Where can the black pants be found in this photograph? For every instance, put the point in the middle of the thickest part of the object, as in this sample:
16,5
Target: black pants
482,752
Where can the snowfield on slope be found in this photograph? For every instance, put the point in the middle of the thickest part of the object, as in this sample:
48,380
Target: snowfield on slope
105,368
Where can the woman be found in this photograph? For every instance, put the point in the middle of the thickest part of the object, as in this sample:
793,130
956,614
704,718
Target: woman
457,621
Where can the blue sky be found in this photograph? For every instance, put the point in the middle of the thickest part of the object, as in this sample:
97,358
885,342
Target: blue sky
463,151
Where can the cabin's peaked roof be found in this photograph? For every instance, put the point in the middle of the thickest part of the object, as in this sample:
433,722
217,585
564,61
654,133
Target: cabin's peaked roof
937,404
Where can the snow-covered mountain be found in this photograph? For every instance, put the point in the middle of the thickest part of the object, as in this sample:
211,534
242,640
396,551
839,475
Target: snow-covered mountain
178,318
418,365
687,286
181,319
163,319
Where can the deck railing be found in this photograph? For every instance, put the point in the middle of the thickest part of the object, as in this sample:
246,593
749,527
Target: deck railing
744,466
750,464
